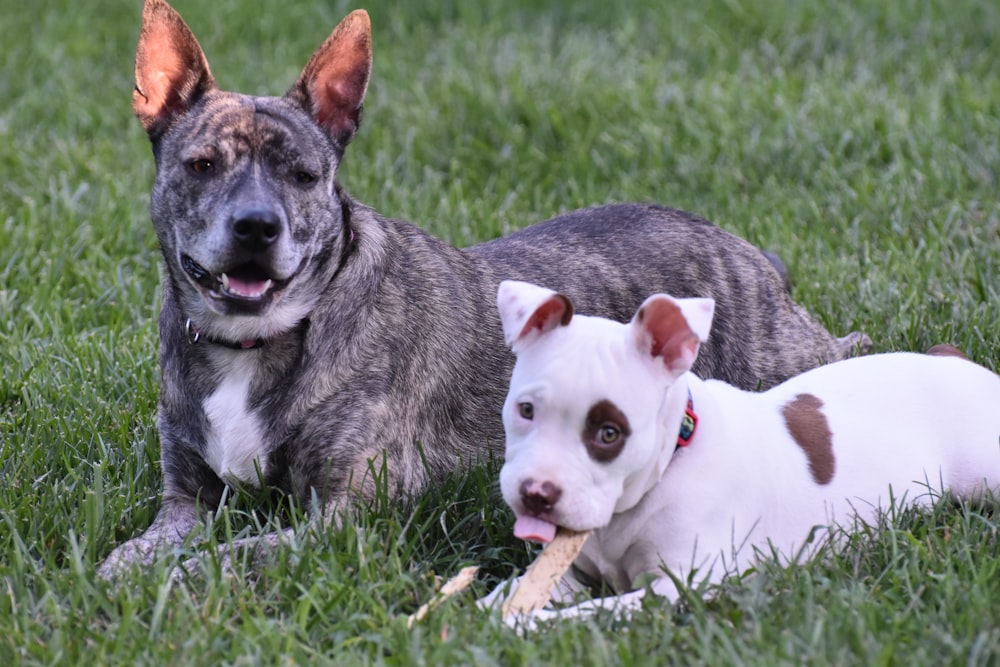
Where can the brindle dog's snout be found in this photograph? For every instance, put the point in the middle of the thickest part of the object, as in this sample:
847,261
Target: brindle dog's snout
256,229
539,497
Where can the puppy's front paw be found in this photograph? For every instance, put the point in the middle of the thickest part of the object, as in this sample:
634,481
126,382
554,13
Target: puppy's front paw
621,608
531,622
495,598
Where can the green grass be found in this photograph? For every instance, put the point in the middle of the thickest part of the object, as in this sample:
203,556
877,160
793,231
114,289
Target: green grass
858,139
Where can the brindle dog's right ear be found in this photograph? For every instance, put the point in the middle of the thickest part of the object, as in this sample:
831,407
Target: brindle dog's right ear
171,72
332,86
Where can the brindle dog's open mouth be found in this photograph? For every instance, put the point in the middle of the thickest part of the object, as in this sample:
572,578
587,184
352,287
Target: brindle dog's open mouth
246,284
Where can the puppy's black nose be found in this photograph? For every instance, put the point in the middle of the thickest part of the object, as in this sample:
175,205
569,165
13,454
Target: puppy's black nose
539,497
256,228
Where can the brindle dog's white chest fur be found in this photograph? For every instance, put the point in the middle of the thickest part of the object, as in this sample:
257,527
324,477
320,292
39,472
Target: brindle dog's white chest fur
234,447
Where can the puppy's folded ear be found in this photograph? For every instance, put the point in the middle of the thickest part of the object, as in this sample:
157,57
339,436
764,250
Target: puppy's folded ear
671,329
527,311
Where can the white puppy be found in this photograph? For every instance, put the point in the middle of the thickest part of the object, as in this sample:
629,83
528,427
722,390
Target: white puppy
608,430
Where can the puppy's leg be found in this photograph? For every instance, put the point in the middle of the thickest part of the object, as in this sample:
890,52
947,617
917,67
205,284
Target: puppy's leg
495,598
621,606
567,591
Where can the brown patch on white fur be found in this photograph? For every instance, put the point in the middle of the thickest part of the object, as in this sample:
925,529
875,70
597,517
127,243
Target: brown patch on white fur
605,431
808,427
943,350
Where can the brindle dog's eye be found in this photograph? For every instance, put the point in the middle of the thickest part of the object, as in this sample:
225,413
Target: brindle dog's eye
609,434
201,166
303,177
526,410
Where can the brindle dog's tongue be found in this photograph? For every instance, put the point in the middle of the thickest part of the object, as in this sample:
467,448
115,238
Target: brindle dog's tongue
248,281
248,287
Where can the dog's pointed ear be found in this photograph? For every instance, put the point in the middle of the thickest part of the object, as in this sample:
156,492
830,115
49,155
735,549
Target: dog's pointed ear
672,329
171,72
528,311
332,86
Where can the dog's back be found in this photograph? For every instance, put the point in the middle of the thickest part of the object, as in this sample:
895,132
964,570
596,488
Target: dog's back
613,256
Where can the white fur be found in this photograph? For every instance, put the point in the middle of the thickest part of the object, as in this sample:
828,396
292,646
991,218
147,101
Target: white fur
905,427
234,448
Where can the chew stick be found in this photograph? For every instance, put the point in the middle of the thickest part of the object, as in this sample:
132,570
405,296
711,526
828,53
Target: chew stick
535,587
454,585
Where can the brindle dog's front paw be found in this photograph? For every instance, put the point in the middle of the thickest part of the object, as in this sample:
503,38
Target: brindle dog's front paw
137,552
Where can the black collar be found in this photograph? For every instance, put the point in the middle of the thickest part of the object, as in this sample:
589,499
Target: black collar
194,335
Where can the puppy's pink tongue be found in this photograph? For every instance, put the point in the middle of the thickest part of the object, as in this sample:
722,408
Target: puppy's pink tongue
534,529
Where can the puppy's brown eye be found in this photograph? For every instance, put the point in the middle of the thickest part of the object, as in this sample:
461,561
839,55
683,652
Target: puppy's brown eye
201,166
526,410
609,434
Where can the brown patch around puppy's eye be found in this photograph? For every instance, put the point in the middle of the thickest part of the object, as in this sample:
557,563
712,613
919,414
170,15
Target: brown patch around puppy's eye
605,431
808,427
526,410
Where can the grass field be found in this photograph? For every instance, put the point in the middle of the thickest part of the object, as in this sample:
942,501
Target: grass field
860,140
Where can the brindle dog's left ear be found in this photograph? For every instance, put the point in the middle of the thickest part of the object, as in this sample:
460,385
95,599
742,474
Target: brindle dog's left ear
171,72
332,86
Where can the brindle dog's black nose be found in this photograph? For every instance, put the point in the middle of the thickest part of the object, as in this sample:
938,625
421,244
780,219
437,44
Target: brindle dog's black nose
256,228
